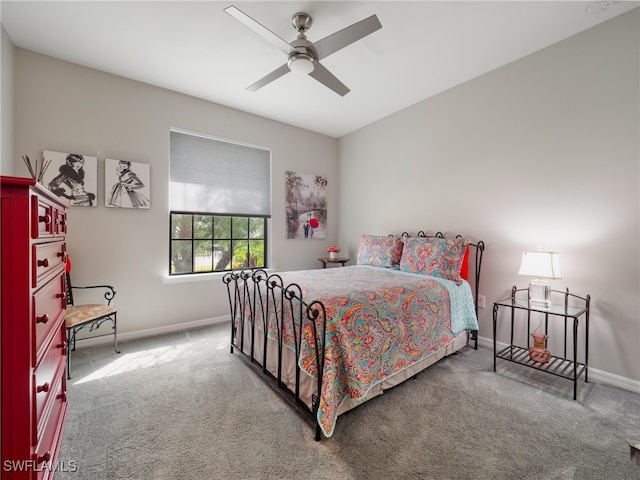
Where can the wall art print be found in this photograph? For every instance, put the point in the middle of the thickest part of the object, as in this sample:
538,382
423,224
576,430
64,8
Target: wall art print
306,205
73,177
127,184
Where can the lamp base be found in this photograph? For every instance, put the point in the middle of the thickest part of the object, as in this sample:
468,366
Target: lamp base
541,355
539,294
538,352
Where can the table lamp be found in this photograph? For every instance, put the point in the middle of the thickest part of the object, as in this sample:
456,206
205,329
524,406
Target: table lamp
542,265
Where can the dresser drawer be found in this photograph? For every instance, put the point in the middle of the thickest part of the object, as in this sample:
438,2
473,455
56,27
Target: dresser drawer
47,260
60,227
48,307
51,367
50,429
42,217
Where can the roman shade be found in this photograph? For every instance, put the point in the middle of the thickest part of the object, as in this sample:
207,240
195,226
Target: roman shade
209,175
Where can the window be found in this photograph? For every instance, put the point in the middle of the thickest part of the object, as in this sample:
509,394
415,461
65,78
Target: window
212,243
219,202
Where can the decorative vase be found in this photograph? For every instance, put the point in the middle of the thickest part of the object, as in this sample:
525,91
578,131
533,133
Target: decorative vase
333,255
538,352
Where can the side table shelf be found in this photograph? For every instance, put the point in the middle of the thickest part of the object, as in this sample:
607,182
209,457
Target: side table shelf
570,311
325,260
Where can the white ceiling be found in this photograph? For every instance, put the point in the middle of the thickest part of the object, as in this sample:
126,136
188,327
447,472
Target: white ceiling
423,48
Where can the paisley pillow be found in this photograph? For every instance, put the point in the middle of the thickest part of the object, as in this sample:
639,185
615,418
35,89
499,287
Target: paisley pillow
379,251
435,256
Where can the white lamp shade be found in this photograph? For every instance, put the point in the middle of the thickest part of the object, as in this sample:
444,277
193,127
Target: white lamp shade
540,264
301,63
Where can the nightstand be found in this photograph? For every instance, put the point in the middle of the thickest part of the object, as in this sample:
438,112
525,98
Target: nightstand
566,308
326,260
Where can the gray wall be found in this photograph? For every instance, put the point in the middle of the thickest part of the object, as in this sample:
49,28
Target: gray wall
6,110
540,153
68,108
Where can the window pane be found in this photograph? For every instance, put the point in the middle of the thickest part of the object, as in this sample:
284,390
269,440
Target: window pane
240,227
181,256
203,226
240,254
181,226
222,254
222,227
256,227
203,255
256,250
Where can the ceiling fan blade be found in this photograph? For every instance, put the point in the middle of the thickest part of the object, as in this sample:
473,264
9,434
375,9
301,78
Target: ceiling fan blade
346,36
325,77
277,73
260,29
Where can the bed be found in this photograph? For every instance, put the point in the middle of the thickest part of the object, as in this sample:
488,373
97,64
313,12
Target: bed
338,337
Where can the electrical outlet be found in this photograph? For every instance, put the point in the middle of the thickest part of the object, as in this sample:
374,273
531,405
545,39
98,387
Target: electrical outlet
481,301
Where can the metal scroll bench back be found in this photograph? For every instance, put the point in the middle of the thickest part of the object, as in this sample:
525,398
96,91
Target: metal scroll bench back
89,316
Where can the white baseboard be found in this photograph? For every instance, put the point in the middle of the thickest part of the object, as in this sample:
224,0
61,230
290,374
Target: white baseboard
151,332
597,376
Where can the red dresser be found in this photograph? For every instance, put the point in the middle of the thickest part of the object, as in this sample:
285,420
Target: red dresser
33,333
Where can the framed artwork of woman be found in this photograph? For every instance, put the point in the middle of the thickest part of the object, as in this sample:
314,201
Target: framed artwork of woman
73,177
127,184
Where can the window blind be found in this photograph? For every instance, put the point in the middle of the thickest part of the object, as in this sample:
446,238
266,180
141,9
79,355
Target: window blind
216,176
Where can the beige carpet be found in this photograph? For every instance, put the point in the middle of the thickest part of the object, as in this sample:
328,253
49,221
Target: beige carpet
180,406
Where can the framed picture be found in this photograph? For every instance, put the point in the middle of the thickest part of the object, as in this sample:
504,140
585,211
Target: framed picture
127,184
306,205
73,177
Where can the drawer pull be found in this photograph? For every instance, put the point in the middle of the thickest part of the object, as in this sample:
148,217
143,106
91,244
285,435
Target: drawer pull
42,388
45,218
43,263
44,458
61,295
62,345
43,319
60,254
62,396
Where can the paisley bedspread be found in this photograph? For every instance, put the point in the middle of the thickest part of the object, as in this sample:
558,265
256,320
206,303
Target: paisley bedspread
379,322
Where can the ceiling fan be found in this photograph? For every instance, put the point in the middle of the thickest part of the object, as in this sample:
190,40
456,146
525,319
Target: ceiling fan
304,56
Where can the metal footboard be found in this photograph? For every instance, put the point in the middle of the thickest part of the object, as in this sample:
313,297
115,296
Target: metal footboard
261,303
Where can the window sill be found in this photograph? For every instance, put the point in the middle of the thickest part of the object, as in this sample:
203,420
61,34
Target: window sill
201,277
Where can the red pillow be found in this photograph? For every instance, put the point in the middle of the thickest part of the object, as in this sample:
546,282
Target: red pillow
464,270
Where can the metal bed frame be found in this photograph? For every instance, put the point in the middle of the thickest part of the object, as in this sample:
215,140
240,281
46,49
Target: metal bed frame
246,297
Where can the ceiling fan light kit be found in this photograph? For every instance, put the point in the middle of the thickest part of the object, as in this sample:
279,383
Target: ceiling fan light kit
304,56
301,63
